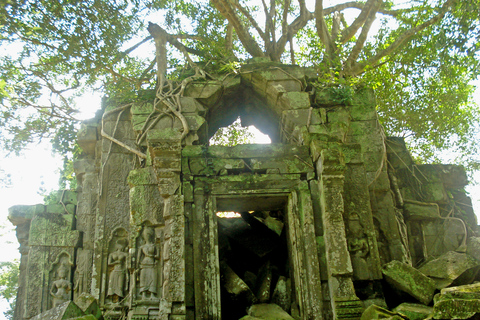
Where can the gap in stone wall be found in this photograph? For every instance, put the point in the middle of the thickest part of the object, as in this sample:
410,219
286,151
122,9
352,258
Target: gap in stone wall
248,134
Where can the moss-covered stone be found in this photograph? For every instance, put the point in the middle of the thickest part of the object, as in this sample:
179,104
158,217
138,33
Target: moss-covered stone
376,312
414,311
457,302
408,279
164,134
143,108
64,311
141,176
416,210
445,269
295,100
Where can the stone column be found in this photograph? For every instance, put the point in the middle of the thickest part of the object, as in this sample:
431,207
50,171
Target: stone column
205,256
51,242
303,254
165,154
344,302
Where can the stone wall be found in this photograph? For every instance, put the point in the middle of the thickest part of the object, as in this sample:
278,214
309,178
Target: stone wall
326,212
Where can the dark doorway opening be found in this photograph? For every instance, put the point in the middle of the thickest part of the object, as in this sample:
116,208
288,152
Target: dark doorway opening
253,253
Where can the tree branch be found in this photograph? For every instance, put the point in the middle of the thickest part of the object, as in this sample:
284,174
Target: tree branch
285,16
322,28
337,18
400,41
229,40
360,6
251,20
135,46
359,44
349,32
269,30
160,37
292,29
251,46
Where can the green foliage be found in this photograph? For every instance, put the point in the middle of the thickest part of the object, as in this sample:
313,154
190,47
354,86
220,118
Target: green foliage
232,135
420,59
9,272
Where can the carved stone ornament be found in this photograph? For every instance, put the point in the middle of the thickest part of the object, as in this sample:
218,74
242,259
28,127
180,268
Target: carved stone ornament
61,287
147,256
118,282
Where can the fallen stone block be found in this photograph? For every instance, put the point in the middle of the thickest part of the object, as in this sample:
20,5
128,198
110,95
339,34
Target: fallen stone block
376,312
268,312
450,266
282,293
473,247
408,279
64,311
89,305
414,311
461,302
236,286
264,283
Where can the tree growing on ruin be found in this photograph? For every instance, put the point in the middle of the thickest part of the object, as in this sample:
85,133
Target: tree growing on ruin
419,56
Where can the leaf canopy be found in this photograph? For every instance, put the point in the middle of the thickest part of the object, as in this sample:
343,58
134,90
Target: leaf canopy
420,56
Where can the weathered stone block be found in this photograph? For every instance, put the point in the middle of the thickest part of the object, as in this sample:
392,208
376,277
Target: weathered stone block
168,163
121,130
453,176
365,96
87,138
408,279
53,229
144,108
64,311
112,147
89,305
268,312
235,286
212,166
191,105
415,210
376,312
461,302
435,192
414,311
164,134
20,214
473,247
141,176
447,268
207,93
302,117
295,100
285,165
378,181
145,204
333,96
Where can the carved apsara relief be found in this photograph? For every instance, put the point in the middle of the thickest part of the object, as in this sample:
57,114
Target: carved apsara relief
61,286
357,246
117,261
148,265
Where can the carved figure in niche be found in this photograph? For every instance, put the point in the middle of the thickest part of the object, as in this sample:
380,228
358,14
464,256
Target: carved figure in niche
61,288
358,247
147,257
84,263
117,283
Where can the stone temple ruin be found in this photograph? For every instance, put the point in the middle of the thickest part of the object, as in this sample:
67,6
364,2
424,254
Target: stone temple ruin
336,221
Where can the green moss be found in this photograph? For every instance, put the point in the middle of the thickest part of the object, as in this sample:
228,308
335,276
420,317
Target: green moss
141,176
